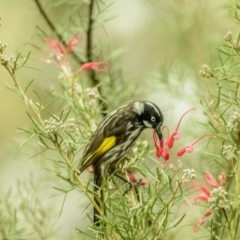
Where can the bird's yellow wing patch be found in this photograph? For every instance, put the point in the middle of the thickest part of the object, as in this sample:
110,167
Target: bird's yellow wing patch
106,145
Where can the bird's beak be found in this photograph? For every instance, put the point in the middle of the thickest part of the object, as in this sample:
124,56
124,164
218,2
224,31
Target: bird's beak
159,132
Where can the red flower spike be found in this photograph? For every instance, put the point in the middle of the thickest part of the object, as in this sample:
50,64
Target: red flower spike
176,134
189,148
97,66
210,180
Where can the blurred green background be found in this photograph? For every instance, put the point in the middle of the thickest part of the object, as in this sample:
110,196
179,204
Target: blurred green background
165,43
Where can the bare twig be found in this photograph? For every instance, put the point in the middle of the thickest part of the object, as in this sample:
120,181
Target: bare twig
89,56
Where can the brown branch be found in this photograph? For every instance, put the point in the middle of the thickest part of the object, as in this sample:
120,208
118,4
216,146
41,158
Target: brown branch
89,55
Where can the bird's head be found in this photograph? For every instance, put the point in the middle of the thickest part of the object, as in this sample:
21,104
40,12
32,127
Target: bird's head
150,116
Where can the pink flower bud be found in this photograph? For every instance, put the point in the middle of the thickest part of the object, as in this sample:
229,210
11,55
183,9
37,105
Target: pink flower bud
208,213
175,135
210,180
181,151
189,148
165,154
90,169
204,195
201,220
222,179
142,182
74,41
158,151
132,178
97,66
55,45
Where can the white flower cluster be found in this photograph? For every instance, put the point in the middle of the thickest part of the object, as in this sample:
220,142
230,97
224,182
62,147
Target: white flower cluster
4,58
205,72
88,96
52,125
188,175
233,124
72,126
3,45
136,153
93,96
228,37
219,199
68,145
228,151
176,166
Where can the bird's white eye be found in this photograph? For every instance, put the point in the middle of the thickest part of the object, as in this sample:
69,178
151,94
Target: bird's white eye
153,119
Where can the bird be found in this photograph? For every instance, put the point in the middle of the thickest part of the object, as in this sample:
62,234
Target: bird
113,138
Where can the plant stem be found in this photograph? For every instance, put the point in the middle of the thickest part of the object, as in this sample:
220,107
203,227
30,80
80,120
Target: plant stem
236,200
171,202
64,156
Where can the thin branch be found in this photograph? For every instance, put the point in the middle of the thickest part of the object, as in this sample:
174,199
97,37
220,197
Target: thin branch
89,55
89,33
53,28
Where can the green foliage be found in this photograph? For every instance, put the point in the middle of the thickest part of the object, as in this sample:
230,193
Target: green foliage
23,213
139,209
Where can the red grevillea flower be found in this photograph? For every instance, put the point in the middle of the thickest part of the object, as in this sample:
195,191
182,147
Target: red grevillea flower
97,66
210,180
61,56
58,47
74,41
205,195
161,151
163,147
158,144
189,148
176,134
